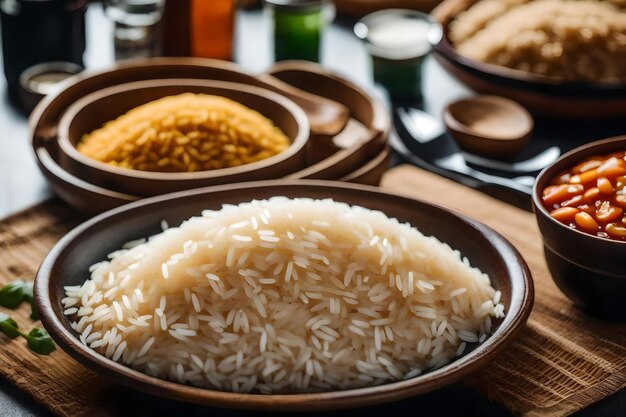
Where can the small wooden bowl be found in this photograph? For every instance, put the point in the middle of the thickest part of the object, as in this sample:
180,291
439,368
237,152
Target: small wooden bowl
68,263
590,270
541,95
489,125
95,109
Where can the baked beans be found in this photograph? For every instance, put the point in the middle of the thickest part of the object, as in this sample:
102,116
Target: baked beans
591,197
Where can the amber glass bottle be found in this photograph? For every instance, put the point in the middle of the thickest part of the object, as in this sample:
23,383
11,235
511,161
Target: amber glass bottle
202,28
212,27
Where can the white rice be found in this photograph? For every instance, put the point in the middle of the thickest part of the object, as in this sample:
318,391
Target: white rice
284,295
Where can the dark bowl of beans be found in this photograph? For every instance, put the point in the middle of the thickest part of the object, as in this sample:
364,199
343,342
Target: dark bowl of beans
580,205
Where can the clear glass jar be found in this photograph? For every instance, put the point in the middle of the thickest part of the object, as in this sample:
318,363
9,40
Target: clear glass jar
136,31
398,41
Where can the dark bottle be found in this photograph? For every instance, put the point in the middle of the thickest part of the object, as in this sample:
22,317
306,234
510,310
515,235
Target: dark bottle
36,31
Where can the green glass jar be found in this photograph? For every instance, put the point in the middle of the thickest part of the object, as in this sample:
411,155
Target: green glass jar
398,42
297,28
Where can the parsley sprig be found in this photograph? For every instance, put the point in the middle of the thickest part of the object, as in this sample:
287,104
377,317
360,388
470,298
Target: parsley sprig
12,296
15,293
37,339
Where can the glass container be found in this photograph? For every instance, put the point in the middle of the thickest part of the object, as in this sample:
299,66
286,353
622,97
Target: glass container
398,41
136,31
36,31
212,28
297,28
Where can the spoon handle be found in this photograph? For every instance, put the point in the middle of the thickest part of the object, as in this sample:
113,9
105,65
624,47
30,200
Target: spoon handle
501,181
478,177
458,165
534,164
326,117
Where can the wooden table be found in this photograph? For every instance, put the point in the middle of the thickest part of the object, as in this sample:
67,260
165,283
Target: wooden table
21,185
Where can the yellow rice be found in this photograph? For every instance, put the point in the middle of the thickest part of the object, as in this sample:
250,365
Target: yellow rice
185,133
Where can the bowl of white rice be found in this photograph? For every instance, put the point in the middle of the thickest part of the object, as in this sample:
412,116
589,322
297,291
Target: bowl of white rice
283,295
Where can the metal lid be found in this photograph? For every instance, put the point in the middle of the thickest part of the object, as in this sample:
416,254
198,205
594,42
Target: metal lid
297,5
399,34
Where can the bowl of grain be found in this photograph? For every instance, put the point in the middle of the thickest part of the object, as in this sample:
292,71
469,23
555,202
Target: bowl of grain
283,295
152,137
559,58
332,156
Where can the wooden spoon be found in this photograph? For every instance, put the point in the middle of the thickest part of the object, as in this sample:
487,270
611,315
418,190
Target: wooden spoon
326,117
489,125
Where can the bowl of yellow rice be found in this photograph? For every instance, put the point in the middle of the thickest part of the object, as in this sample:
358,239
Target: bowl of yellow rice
150,137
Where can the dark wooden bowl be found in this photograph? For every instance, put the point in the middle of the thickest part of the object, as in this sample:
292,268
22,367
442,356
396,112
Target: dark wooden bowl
509,125
91,199
541,95
78,193
590,270
332,162
372,172
69,260
95,109
326,116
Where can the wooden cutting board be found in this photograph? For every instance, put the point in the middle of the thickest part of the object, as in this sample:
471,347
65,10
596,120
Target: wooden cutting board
562,362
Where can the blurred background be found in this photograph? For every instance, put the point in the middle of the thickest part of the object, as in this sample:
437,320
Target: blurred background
46,41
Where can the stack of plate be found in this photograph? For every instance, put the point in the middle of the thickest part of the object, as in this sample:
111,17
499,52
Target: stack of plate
337,131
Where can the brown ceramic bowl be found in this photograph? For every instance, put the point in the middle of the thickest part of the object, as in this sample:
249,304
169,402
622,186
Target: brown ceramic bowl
326,115
491,126
96,109
372,172
590,270
69,260
539,94
91,199
78,193
333,162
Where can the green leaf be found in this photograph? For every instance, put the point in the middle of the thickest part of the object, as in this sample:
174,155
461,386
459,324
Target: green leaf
30,299
16,292
33,311
40,342
28,292
8,326
12,294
